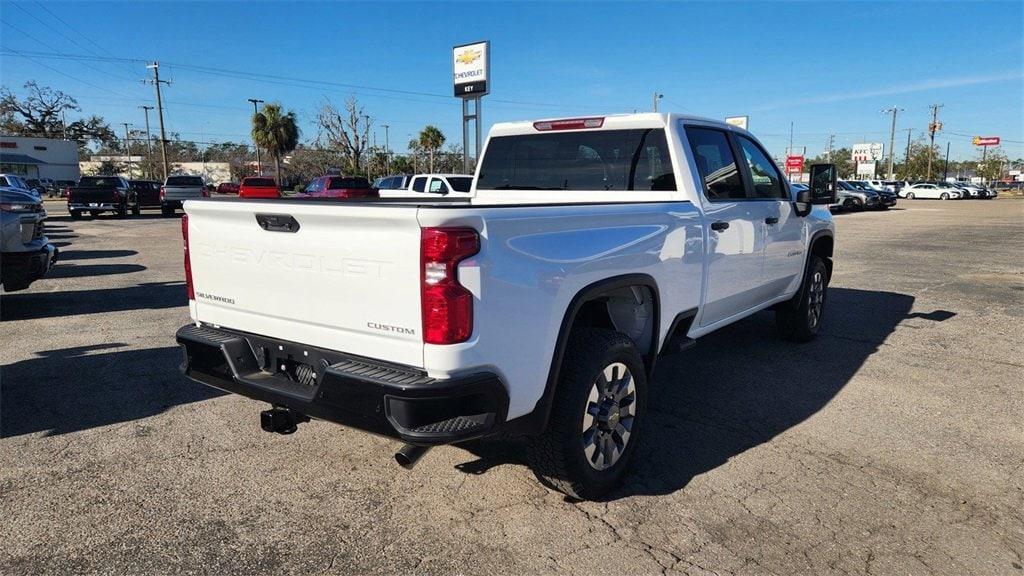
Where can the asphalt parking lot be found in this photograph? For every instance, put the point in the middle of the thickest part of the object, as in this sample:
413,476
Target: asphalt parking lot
893,444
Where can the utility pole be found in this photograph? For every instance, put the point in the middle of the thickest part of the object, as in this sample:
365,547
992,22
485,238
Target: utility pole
149,139
906,158
160,110
831,141
934,127
387,152
945,171
64,123
255,111
128,148
654,99
892,137
789,151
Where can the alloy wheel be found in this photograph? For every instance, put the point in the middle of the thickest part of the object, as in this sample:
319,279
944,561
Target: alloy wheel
609,415
815,299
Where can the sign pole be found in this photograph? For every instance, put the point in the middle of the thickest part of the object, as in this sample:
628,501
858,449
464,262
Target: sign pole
465,136
476,158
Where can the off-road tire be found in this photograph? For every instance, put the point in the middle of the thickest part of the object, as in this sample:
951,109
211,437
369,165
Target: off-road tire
557,455
794,319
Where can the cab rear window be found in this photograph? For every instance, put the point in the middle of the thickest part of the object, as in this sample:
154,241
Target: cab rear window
184,181
268,182
605,160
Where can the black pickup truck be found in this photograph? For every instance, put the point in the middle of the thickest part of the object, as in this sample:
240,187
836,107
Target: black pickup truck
96,194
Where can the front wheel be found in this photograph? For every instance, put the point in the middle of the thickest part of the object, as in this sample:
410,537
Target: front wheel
599,406
944,196
136,210
910,195
76,215
800,318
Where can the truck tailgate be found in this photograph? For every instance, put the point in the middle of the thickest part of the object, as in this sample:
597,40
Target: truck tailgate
347,279
182,192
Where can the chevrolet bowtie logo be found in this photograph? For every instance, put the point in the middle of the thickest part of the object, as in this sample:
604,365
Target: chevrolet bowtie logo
468,56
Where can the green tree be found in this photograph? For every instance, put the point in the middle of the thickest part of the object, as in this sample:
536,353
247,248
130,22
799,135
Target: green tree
915,166
431,140
992,167
842,158
276,132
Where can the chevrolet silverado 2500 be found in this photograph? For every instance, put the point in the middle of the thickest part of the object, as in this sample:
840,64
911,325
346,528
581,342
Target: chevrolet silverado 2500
536,307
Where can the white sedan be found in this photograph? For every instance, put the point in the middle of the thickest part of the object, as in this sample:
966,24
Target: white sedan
928,190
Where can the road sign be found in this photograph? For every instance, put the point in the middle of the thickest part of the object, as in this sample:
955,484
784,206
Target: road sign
866,169
986,140
794,164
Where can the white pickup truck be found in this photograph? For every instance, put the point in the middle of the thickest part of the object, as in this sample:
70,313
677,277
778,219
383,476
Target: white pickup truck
537,307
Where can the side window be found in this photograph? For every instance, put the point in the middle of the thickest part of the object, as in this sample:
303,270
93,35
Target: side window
419,184
763,174
311,187
716,164
437,186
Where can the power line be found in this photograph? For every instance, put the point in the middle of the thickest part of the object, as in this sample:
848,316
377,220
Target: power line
47,66
46,25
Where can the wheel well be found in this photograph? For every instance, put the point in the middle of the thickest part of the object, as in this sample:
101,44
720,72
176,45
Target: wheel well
631,310
822,247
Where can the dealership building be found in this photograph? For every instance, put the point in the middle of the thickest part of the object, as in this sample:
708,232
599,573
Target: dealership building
39,157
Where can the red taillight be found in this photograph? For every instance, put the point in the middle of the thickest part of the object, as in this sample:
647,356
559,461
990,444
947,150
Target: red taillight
447,305
163,193
206,193
569,124
188,260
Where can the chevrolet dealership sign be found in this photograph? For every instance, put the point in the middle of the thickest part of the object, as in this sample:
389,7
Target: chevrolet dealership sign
471,69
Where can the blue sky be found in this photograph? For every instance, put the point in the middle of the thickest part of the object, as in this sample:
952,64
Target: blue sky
827,67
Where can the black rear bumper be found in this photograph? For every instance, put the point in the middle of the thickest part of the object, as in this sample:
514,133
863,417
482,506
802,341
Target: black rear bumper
386,399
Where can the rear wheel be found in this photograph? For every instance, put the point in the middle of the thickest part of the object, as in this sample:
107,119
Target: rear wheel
597,411
800,318
94,213
856,204
136,210
76,215
167,211
122,211
910,195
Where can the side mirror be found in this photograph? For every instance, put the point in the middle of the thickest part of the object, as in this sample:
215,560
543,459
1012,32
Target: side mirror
823,184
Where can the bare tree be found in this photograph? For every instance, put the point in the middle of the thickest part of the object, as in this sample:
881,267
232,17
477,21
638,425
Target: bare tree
347,131
41,113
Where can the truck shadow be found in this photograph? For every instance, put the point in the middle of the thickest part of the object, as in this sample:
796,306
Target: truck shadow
741,387
34,305
62,270
94,254
73,389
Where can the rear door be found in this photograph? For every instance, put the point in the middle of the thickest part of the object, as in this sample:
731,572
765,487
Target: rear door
346,277
736,233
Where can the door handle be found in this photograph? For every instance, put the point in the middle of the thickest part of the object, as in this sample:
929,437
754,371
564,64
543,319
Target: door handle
771,220
719,226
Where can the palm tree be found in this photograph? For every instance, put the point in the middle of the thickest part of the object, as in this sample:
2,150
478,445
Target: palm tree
431,140
275,132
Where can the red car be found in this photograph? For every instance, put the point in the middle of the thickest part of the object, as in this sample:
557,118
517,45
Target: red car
258,187
227,188
339,187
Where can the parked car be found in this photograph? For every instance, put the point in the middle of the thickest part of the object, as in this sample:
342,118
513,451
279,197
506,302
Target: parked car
886,198
177,189
97,194
973,190
339,187
940,190
538,309
147,193
851,197
227,188
258,187
452,185
63,186
25,253
396,182
16,182
880,185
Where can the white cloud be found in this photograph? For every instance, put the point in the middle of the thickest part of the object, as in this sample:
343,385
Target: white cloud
932,84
